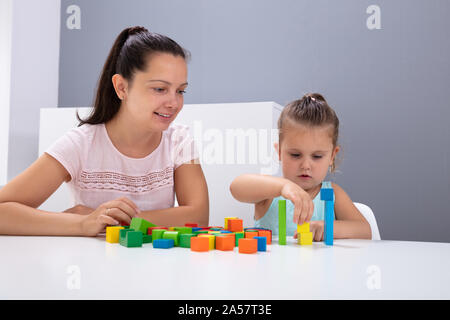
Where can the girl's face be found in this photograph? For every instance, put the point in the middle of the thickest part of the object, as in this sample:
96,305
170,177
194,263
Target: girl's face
155,96
306,152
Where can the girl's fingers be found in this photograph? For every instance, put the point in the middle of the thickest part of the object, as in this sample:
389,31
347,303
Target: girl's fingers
123,207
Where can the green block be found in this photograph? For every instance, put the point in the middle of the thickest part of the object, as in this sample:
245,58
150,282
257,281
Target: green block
237,236
185,239
147,238
131,238
139,224
200,232
175,235
158,233
122,236
282,222
183,230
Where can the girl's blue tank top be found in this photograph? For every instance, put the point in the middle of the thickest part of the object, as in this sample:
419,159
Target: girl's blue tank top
270,219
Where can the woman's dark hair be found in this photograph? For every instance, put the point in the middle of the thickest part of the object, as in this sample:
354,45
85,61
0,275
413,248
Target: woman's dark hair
129,53
311,110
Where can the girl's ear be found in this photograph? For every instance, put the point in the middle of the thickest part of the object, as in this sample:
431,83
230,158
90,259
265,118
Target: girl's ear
120,86
333,155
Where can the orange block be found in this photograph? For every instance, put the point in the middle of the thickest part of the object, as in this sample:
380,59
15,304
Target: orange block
248,245
235,225
267,234
251,234
225,243
199,244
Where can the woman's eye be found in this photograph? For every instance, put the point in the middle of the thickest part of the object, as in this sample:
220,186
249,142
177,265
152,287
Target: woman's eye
182,92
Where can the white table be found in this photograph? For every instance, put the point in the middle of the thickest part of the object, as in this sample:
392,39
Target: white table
90,268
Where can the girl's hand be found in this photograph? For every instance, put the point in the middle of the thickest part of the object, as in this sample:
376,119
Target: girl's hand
317,228
109,213
303,204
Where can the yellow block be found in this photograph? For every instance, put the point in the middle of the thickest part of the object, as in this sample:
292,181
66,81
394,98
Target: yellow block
303,228
112,234
213,232
172,229
305,238
212,240
226,221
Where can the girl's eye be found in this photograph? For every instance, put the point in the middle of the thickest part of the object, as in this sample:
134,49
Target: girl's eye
317,157
295,155
159,90
182,92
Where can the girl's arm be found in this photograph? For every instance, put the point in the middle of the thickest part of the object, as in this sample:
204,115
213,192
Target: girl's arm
192,196
260,189
350,223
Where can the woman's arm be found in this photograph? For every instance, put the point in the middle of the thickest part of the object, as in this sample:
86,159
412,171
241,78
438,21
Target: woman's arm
349,223
22,195
192,196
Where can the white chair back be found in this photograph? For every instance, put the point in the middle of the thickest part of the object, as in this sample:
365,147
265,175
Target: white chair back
370,217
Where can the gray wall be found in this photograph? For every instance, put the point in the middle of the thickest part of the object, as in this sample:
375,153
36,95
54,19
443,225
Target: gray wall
389,86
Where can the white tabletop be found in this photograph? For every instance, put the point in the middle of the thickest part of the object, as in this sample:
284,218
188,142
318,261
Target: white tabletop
91,268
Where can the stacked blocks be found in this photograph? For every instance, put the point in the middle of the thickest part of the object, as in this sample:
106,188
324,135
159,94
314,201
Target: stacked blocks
282,222
304,236
235,225
327,195
140,231
248,245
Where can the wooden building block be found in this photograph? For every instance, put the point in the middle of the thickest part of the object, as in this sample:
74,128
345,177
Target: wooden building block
112,234
199,244
225,243
248,245
236,225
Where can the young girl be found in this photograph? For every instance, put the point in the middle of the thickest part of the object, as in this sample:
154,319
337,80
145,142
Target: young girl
126,159
307,149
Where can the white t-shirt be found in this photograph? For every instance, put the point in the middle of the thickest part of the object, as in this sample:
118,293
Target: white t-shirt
100,173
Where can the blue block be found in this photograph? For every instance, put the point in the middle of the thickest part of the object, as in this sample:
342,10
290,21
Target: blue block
163,243
196,229
327,194
329,223
262,243
225,231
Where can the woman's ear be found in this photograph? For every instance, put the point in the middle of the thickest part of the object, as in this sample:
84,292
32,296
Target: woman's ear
120,86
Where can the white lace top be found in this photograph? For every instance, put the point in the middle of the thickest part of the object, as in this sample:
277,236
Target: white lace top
100,173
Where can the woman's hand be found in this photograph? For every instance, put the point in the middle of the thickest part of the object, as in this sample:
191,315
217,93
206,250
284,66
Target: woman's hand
317,228
79,209
303,204
113,212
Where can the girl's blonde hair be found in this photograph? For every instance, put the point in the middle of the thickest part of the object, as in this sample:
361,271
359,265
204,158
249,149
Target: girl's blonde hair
311,110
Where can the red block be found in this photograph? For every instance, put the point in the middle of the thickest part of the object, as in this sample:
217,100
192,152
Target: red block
192,225
149,230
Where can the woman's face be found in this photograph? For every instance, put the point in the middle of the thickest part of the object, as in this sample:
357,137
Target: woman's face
155,96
